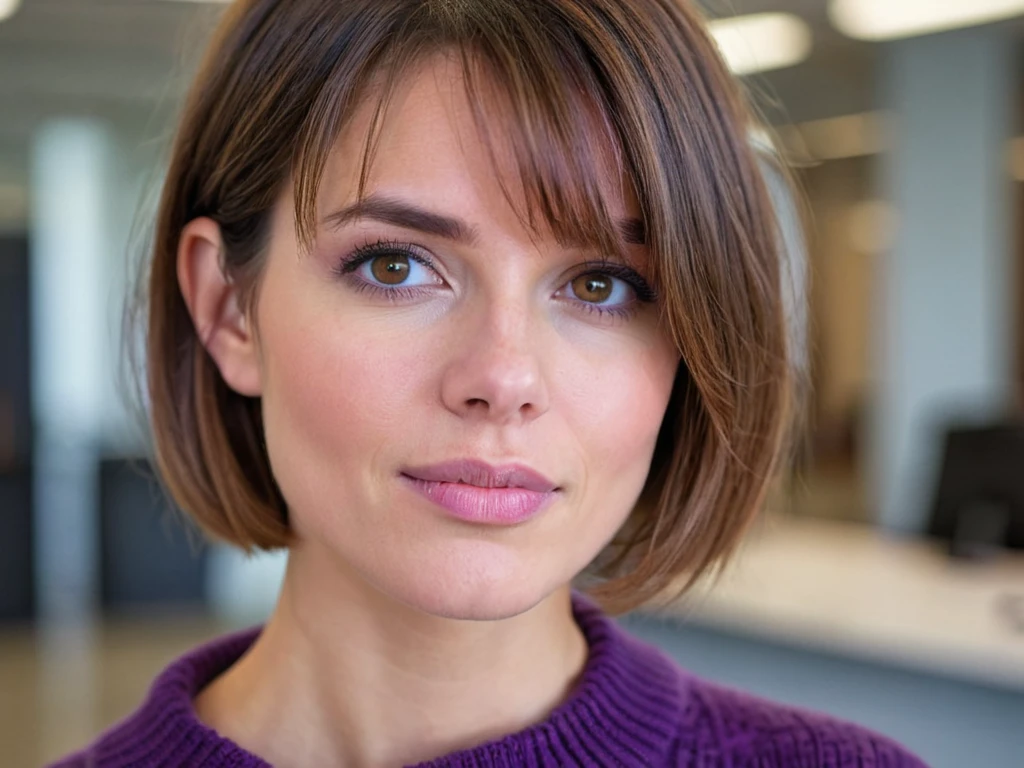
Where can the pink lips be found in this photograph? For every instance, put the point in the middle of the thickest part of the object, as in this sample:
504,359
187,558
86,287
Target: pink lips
475,491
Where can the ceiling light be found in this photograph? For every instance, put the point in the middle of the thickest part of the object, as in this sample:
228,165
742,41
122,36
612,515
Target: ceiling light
8,7
762,41
891,19
835,138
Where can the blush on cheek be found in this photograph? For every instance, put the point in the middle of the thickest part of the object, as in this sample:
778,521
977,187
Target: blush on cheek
617,418
636,397
331,400
340,395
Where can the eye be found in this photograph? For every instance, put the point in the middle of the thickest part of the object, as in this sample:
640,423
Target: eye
608,289
393,270
396,269
602,289
390,270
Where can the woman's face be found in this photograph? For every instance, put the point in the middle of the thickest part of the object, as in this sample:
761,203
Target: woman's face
431,327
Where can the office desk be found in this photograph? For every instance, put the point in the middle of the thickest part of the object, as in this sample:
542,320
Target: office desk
849,589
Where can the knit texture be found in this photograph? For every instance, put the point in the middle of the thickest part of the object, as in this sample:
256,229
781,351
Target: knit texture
632,707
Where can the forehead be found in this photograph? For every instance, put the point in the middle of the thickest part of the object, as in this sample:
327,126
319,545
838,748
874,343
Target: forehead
438,139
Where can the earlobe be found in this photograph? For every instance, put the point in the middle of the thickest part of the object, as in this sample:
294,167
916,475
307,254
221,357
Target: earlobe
213,302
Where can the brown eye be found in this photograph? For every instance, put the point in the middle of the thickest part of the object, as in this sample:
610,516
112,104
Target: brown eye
392,269
593,287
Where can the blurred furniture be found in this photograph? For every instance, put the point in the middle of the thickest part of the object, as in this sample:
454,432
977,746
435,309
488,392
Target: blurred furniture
979,499
16,562
150,557
889,632
15,364
16,543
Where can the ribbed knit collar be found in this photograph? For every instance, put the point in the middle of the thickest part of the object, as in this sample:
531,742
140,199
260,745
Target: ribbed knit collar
625,709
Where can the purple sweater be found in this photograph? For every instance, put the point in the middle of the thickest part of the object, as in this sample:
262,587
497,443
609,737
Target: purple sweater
632,707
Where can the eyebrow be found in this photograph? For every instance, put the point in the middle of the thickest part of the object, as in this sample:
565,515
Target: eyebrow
390,210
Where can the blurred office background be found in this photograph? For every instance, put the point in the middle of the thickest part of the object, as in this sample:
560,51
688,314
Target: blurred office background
887,583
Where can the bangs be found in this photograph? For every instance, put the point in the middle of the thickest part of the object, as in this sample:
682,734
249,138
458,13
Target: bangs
535,98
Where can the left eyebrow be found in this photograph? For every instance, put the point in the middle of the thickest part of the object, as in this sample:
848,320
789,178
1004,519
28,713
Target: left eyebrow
399,213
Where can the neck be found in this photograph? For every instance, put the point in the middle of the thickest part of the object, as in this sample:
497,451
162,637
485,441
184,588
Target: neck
350,677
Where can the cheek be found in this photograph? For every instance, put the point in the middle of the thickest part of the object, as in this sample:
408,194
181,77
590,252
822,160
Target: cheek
616,411
333,400
618,408
341,386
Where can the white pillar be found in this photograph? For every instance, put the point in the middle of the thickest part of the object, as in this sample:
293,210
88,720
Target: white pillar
70,194
243,589
943,333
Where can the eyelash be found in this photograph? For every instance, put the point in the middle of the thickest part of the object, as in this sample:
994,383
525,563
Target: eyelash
371,250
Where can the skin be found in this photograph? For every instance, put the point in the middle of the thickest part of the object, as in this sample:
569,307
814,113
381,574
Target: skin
397,623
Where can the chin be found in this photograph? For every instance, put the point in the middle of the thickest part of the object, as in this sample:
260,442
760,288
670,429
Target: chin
474,594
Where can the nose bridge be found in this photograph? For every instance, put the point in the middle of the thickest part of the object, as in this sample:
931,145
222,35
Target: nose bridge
505,324
497,370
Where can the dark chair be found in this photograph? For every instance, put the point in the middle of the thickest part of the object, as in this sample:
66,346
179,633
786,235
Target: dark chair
979,499
17,593
149,556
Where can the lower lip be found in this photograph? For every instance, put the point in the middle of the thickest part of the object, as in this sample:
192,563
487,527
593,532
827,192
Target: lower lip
491,506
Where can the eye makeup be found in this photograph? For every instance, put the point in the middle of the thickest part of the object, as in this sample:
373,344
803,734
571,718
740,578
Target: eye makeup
407,259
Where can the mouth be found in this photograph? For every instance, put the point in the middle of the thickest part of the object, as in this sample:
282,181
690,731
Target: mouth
478,492
483,475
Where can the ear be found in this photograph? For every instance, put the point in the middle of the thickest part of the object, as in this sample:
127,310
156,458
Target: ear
212,300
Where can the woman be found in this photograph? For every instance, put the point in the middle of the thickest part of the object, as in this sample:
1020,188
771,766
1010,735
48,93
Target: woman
476,307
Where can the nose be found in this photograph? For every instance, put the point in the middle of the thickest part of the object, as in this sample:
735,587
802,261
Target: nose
495,373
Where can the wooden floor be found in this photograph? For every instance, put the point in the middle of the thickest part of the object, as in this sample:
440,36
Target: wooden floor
60,688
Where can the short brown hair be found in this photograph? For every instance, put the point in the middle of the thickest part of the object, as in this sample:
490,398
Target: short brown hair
278,83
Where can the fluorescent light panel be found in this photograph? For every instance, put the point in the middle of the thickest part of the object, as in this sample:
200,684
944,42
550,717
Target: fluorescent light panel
762,41
892,19
8,7
836,138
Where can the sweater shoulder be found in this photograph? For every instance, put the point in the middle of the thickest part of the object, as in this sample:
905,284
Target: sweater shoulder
119,745
134,743
750,730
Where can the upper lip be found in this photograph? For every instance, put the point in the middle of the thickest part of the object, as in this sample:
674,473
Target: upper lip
484,475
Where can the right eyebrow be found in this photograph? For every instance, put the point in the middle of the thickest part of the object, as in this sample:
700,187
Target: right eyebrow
400,213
